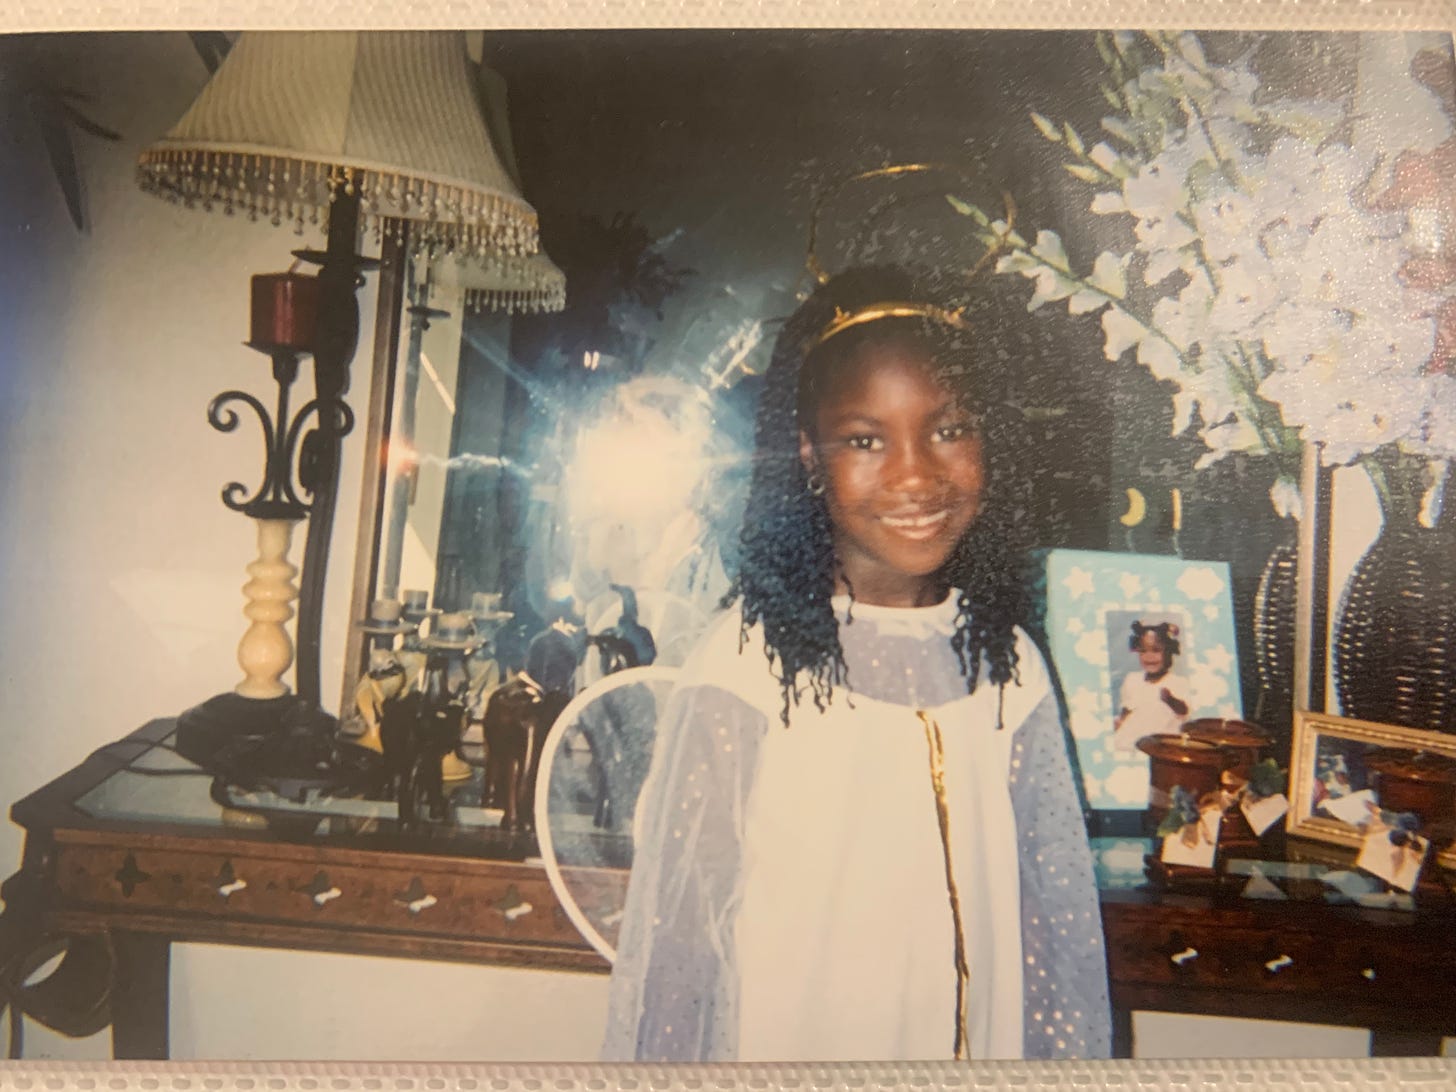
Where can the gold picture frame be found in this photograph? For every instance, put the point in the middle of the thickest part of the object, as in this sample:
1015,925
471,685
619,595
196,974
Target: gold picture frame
1310,729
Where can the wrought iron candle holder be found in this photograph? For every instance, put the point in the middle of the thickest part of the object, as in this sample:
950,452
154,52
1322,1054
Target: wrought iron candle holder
276,497
261,728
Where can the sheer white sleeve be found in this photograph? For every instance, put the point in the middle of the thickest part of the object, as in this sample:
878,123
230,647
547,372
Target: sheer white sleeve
1067,1012
674,990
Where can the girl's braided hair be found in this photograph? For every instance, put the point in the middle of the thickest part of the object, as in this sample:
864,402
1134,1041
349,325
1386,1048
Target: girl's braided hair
786,575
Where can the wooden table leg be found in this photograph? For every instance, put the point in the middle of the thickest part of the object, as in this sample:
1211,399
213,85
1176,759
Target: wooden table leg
139,1000
1389,1043
1121,1032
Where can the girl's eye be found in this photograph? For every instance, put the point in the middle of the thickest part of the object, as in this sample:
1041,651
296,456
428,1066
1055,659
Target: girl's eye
952,433
863,442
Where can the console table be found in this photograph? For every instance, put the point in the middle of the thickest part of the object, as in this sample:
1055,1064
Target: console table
119,864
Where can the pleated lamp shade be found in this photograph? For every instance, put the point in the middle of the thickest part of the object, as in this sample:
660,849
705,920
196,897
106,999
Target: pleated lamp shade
291,118
511,284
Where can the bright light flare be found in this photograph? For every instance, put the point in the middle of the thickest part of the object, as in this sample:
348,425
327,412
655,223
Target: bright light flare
641,462
401,458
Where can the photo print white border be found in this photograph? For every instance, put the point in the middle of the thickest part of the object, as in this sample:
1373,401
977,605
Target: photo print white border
1391,1075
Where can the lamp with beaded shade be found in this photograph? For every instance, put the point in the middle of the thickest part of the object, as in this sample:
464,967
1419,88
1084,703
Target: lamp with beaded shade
504,284
379,133
291,121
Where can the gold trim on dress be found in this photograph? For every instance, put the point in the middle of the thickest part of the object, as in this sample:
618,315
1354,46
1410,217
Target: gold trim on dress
942,811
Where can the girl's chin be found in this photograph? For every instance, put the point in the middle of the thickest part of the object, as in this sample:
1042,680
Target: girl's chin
917,590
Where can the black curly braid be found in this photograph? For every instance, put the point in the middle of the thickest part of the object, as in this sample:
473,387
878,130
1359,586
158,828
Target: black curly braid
786,577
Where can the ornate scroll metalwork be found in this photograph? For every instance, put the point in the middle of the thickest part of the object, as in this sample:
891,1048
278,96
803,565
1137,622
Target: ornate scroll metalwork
279,495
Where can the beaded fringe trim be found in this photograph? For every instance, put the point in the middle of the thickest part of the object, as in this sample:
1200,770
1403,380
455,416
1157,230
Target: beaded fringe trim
444,215
517,301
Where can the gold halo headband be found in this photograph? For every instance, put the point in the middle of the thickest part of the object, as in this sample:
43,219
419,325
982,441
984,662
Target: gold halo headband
843,320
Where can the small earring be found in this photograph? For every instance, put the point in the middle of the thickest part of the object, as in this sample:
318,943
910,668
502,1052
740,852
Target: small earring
815,484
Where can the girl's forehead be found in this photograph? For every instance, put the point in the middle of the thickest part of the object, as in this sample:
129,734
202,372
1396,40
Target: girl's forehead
894,351
901,359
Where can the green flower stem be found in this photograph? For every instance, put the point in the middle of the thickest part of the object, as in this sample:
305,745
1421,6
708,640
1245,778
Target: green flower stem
1225,165
1260,413
1194,115
1117,304
1273,435
1265,417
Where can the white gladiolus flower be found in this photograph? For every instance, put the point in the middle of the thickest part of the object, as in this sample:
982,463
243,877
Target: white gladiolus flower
1120,332
1163,231
1272,296
1159,189
1228,224
1247,291
1284,495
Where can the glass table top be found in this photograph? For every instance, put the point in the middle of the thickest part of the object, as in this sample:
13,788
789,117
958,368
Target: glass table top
158,786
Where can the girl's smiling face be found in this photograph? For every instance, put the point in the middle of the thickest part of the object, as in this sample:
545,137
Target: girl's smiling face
902,469
1152,656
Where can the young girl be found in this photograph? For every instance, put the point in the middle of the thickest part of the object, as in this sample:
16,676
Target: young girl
1154,698
860,837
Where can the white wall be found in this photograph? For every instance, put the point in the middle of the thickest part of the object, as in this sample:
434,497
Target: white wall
122,573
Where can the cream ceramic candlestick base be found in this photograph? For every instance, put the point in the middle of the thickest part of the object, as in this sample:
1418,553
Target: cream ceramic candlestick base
266,650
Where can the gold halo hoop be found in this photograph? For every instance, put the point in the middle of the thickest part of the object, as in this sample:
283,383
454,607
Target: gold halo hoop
899,170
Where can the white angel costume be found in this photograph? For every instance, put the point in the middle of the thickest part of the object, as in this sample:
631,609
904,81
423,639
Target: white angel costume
808,893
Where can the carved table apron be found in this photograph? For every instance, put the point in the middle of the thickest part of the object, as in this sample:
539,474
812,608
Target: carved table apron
132,888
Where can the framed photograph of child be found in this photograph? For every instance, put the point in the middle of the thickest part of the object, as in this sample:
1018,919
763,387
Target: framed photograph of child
1335,772
1141,644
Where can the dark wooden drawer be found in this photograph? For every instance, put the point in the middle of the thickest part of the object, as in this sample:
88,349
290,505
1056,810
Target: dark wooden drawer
478,900
1272,953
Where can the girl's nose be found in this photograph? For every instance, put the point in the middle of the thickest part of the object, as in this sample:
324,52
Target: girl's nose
911,466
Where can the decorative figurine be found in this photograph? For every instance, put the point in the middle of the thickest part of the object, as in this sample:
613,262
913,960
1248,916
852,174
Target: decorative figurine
421,719
484,666
628,643
384,681
419,729
456,635
386,678
618,726
611,724
553,657
516,723
417,612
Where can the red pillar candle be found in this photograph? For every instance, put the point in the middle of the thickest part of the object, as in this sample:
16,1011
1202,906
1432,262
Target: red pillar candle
285,306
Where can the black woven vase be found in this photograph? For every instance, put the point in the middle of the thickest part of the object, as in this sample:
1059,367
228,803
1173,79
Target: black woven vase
1274,621
1395,634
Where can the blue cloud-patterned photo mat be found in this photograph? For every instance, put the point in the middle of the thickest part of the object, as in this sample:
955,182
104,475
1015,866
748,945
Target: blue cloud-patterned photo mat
1083,588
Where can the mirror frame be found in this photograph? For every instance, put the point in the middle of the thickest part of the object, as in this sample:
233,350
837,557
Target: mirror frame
388,322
